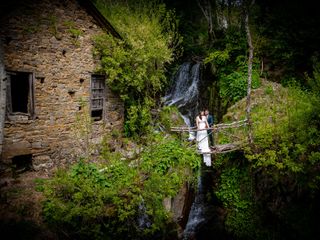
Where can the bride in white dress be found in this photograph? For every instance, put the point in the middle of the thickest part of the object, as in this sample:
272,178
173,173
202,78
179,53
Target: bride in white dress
202,137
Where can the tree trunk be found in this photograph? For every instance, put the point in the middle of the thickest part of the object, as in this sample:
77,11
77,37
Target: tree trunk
229,12
206,9
250,60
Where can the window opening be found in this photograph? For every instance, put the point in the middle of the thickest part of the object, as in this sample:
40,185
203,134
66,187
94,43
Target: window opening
97,96
20,93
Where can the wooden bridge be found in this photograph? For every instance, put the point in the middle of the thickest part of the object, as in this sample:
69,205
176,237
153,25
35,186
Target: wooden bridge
218,127
222,148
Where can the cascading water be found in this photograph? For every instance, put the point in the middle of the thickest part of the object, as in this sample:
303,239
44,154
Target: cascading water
143,219
185,95
196,215
202,210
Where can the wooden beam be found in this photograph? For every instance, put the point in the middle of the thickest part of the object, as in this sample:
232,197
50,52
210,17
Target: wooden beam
215,127
224,148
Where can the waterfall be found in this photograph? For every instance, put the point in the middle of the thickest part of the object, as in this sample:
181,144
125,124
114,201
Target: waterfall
196,215
185,93
185,96
143,219
203,221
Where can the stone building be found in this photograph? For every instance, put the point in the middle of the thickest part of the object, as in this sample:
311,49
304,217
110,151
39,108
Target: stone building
54,107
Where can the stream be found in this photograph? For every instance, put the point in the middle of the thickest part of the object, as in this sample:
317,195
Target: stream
204,221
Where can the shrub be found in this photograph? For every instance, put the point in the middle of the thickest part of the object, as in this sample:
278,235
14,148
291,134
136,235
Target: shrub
135,65
279,175
124,200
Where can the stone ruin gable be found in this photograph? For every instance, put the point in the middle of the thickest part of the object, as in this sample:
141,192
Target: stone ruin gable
39,38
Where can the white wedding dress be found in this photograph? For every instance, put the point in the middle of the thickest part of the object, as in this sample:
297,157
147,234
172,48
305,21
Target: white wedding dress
202,140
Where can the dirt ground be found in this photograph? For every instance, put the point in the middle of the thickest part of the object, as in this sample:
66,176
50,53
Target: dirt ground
20,206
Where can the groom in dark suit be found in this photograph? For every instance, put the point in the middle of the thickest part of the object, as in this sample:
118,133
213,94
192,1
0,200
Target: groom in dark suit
210,120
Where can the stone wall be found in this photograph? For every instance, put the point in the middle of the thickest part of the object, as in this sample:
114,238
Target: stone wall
2,96
53,40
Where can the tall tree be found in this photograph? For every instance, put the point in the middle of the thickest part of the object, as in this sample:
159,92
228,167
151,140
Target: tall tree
206,8
250,60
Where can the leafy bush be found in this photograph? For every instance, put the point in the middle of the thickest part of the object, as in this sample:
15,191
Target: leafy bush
314,81
288,131
233,86
124,200
169,116
228,62
138,120
135,65
279,175
241,219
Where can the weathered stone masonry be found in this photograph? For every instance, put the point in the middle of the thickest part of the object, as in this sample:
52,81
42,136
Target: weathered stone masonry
2,96
53,41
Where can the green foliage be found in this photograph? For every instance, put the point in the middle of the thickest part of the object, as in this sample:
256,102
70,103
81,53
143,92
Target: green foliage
31,29
39,182
289,132
218,57
228,64
53,27
136,65
268,90
282,163
229,191
133,70
165,153
286,36
240,223
74,32
233,86
138,120
314,82
234,192
87,203
169,116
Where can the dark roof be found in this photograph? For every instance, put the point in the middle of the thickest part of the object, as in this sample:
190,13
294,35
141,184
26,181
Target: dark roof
7,6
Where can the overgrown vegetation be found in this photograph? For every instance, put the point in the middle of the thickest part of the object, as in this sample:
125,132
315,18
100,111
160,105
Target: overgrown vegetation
135,65
120,199
278,176
270,190
228,64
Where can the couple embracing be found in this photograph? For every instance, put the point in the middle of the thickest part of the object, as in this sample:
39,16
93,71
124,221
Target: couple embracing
204,121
